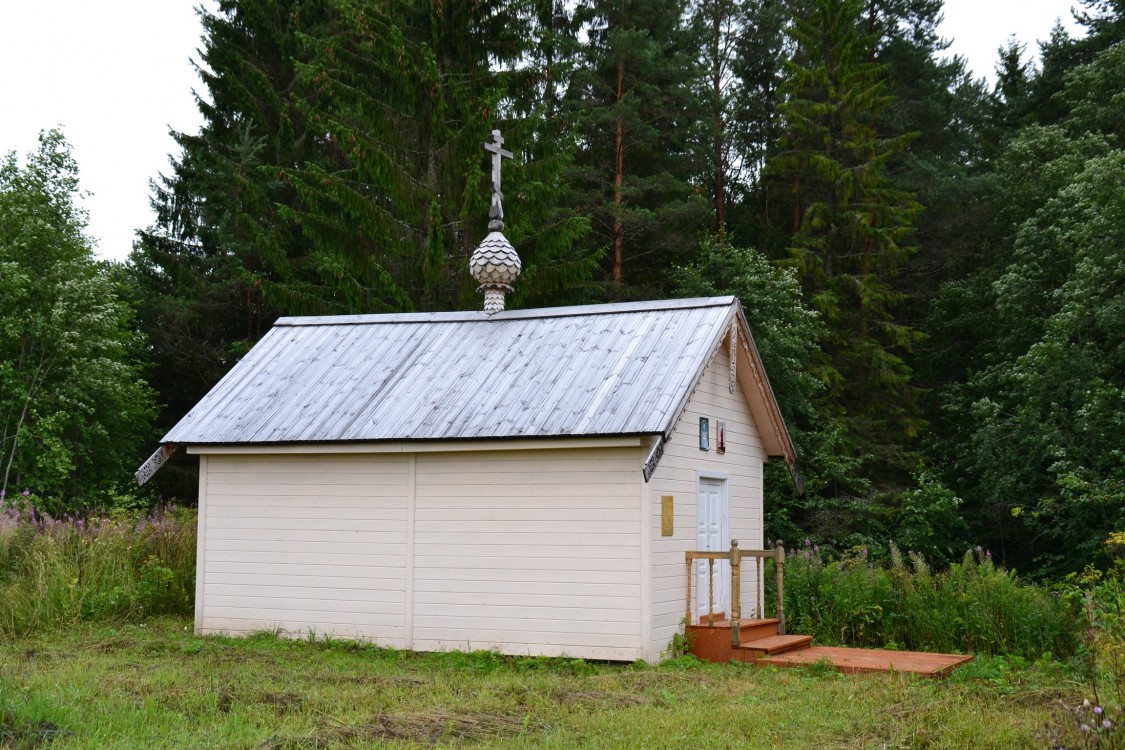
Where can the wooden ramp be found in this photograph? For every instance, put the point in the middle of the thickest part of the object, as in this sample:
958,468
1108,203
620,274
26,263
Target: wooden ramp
761,644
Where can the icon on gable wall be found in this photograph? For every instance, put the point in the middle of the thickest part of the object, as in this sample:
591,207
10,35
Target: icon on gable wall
704,434
720,436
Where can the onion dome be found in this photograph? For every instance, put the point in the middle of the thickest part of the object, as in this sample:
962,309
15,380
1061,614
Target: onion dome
495,265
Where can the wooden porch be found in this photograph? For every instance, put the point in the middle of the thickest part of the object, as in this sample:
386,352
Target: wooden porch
762,641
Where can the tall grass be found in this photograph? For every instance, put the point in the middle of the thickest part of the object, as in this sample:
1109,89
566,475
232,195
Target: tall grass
975,606
117,567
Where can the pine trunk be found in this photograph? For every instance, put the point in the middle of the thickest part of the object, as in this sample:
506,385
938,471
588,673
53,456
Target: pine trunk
619,175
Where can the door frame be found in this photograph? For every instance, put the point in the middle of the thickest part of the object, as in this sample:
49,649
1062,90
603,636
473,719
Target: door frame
722,567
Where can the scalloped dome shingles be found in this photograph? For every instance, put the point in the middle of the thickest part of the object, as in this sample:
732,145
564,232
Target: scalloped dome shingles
495,261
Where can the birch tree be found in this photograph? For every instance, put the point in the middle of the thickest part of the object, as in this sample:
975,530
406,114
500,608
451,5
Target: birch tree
73,405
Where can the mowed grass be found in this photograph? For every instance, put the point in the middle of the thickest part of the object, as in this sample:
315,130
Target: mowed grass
160,686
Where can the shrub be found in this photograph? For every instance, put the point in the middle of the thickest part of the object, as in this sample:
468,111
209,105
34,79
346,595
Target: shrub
115,567
974,606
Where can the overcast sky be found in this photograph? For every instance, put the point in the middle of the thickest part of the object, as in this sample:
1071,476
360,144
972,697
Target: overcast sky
116,75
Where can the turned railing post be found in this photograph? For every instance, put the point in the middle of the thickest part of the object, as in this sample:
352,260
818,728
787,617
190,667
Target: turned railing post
710,592
687,607
779,556
760,603
735,593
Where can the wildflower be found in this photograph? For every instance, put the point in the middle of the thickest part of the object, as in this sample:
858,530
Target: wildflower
988,554
808,542
979,549
1106,723
1098,710
26,492
1086,703
1086,728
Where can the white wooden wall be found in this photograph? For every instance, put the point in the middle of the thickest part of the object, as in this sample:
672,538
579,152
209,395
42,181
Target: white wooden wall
524,552
304,543
677,476
529,552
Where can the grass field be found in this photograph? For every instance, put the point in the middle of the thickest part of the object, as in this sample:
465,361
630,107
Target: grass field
159,686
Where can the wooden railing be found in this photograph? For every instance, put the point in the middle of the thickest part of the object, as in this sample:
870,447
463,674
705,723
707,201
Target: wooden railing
734,556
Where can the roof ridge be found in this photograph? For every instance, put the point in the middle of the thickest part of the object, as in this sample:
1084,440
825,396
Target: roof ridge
465,316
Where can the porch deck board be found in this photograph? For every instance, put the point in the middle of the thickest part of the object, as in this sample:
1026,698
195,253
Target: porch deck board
855,660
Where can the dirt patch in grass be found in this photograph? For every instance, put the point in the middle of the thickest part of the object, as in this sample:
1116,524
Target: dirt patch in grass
282,703
113,645
426,728
378,680
600,699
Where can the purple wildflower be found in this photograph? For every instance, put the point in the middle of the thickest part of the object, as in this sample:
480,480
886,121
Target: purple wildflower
1106,723
1086,728
1098,710
26,492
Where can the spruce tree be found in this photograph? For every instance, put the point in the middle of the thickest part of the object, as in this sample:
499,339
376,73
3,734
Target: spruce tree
339,170
851,228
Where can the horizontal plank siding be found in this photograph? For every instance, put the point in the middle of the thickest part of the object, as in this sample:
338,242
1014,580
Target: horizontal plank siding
529,553
677,475
306,544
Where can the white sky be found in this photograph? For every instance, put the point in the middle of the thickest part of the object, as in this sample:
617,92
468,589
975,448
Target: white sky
115,75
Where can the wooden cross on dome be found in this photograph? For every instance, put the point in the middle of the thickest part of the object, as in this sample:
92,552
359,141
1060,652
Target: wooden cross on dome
496,210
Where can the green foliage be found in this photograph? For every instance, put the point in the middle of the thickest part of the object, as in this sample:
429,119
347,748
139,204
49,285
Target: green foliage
118,567
1048,414
974,607
339,170
851,228
784,328
72,403
634,114
929,521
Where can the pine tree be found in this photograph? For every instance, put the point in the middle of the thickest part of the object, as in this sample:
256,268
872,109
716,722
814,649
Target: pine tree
632,101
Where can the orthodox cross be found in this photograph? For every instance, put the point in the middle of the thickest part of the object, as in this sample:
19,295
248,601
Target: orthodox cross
496,210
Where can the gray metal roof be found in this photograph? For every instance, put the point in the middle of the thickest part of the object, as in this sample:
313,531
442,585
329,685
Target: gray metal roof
619,369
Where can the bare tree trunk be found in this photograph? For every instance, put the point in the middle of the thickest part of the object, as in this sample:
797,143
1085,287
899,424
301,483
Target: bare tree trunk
717,83
32,388
619,173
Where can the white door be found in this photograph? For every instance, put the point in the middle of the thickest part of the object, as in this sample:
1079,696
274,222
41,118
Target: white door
712,534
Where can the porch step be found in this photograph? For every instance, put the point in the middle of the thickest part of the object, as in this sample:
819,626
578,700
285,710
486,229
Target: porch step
712,642
777,644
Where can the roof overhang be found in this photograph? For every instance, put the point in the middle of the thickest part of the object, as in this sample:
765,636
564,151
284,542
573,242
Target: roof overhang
751,375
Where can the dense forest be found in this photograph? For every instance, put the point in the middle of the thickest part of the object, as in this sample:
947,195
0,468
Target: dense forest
933,267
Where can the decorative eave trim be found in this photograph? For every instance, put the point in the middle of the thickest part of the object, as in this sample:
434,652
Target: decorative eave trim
765,390
653,459
154,462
